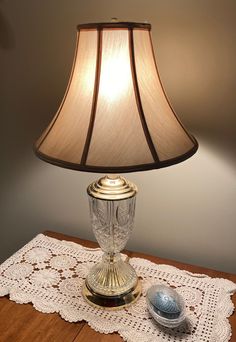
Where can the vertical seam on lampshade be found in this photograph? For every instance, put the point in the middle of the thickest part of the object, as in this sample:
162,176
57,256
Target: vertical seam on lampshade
138,98
95,98
162,87
65,95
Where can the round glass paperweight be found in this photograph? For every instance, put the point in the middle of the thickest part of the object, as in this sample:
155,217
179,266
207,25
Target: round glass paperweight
166,306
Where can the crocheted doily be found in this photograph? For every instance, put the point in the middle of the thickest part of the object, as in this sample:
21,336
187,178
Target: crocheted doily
49,273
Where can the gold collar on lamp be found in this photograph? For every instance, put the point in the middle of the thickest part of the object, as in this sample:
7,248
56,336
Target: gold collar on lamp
114,118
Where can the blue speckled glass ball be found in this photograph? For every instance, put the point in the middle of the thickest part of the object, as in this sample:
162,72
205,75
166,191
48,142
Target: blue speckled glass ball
166,305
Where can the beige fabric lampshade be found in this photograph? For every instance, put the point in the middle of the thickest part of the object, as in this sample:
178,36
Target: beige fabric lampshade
115,116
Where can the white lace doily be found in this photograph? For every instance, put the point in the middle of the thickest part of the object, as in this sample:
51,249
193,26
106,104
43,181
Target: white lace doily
49,273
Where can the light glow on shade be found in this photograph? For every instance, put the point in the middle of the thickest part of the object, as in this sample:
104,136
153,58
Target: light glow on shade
115,70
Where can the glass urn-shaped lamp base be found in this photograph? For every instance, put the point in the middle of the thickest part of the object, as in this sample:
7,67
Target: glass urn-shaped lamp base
112,283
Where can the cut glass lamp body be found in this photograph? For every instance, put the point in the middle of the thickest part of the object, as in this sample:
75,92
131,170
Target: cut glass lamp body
112,282
112,223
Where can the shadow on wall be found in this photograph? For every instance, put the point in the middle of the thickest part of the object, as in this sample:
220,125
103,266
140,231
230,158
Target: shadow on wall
31,89
7,39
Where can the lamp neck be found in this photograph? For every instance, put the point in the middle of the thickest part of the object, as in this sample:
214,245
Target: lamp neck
113,176
112,187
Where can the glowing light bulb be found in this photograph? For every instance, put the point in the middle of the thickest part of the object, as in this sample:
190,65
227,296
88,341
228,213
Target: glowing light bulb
115,76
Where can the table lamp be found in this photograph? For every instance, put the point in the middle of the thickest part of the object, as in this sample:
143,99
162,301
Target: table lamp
114,118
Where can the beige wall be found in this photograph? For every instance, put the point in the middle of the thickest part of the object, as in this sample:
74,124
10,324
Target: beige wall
185,212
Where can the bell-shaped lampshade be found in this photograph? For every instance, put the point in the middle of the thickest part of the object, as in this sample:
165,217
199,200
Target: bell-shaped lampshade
115,116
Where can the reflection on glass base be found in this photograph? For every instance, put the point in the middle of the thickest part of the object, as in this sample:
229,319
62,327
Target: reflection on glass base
112,276
111,302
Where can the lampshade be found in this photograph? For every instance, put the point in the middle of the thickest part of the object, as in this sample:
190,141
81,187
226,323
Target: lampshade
115,116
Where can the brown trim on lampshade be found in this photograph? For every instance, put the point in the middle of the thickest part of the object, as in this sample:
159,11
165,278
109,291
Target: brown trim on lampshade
164,92
95,98
121,169
40,142
138,98
114,25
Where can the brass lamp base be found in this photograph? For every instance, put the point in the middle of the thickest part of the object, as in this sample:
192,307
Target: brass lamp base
111,302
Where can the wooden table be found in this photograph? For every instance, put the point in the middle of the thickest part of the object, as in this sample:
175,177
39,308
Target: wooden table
23,323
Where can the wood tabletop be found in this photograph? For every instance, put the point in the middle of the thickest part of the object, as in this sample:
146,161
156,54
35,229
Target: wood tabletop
22,323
